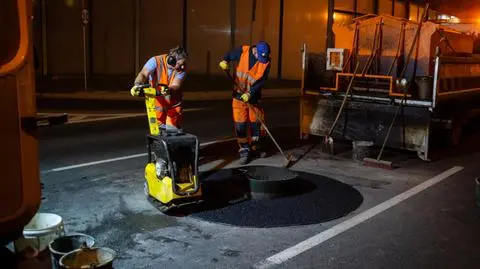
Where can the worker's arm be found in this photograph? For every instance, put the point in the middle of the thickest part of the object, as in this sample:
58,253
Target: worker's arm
233,55
258,85
148,69
177,81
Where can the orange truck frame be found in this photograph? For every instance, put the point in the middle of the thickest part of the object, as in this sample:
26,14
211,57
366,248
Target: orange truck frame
20,191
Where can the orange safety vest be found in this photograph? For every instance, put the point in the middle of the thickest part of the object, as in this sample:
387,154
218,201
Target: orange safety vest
162,73
246,77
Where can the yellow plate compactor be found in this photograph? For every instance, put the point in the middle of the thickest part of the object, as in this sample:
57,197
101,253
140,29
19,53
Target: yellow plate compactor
171,173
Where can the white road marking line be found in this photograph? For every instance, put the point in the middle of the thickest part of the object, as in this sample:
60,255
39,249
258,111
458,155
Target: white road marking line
124,157
352,222
82,120
74,118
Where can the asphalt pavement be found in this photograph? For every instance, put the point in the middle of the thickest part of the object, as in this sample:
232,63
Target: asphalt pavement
417,216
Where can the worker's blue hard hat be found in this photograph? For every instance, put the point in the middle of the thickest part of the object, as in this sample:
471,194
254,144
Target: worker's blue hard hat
263,50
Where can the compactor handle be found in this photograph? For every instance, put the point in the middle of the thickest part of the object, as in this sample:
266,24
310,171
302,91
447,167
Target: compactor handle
148,89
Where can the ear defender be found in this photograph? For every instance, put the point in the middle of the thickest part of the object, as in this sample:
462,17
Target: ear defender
171,60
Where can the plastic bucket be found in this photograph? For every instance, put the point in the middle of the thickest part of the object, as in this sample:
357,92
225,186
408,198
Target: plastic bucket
86,258
68,243
40,231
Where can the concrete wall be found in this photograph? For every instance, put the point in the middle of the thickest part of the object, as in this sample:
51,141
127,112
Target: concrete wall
304,22
205,27
64,46
208,34
113,37
155,39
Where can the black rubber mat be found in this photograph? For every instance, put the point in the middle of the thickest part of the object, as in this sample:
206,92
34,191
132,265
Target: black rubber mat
315,199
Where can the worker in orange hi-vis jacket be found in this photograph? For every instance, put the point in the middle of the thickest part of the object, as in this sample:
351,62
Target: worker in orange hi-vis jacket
168,70
253,67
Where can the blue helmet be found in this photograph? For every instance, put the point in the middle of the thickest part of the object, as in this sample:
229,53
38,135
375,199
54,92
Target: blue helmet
263,50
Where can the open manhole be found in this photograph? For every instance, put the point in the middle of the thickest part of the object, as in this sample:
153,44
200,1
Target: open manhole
264,196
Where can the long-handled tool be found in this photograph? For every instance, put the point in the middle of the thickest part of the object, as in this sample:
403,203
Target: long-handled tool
328,138
403,83
288,159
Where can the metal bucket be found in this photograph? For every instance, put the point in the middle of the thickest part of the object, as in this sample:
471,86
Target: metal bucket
361,150
87,258
425,87
66,244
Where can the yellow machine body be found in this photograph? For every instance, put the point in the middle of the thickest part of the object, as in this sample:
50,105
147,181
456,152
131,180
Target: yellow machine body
169,192
162,189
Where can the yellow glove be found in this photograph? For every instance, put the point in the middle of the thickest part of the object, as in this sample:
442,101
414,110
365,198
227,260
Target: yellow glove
164,90
245,97
223,65
135,90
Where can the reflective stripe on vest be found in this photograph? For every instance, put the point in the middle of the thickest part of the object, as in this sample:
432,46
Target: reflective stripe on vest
246,77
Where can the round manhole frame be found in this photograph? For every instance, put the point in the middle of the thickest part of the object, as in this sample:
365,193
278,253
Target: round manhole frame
269,188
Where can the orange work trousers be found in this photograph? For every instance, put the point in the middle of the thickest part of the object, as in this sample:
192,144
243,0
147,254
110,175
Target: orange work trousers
248,128
168,114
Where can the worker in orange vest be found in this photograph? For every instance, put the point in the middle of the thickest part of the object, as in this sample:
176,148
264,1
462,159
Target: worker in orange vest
167,69
253,67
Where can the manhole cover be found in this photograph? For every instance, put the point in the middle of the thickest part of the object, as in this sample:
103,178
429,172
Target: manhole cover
311,199
268,182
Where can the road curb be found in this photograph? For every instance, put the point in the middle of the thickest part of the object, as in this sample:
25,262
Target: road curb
198,95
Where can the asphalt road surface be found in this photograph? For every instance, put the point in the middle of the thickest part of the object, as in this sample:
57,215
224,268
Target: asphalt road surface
422,215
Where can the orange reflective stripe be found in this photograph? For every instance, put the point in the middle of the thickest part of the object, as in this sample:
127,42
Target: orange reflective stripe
164,72
159,68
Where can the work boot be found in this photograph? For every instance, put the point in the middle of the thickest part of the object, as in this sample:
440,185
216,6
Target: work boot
258,154
258,149
244,156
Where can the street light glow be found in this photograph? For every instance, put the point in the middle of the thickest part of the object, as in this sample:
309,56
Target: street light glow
454,19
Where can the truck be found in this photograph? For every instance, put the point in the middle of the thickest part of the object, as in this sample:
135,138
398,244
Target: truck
422,79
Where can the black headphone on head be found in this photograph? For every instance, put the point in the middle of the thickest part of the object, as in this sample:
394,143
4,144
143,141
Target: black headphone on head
173,57
172,60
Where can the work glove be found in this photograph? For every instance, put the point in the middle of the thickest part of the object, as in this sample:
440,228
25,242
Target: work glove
164,90
135,90
245,97
223,65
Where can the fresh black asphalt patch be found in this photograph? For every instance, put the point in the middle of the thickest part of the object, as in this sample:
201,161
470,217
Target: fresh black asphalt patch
313,199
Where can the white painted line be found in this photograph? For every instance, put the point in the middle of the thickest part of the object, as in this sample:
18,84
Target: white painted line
74,118
122,158
83,120
98,162
316,240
